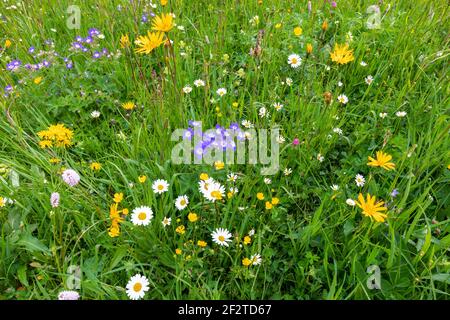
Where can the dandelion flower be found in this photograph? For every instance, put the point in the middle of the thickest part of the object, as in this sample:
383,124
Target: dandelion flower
137,286
382,161
372,209
128,105
142,216
298,31
221,236
124,41
160,186
149,42
181,202
163,23
342,54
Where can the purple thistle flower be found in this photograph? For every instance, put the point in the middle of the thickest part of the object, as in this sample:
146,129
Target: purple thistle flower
70,177
54,199
68,295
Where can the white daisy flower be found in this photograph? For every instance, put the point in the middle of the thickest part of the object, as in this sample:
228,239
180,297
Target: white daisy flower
401,114
267,181
368,80
360,180
320,157
247,124
338,131
340,84
232,177
221,236
95,114
199,83
187,89
181,202
213,191
294,60
166,222
221,92
281,139
278,106
350,202
383,115
251,233
342,98
160,186
335,187
137,286
287,171
141,216
256,259
289,81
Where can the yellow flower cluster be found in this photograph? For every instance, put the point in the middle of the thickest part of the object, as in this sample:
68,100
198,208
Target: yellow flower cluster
115,215
55,136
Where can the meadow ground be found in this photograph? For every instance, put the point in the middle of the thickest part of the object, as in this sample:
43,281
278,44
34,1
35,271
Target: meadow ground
91,199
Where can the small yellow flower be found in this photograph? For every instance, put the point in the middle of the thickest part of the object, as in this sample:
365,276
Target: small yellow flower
268,205
118,197
381,161
278,26
164,2
235,104
309,48
163,23
2,202
55,160
180,229
124,41
325,25
201,243
298,31
192,217
45,144
114,231
37,80
247,240
219,165
125,211
178,251
128,105
246,262
7,43
204,176
260,196
275,201
142,178
95,166
189,257
448,167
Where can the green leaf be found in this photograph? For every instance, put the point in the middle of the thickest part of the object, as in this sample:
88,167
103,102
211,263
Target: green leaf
33,244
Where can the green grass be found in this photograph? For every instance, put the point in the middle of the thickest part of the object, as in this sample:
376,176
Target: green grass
313,245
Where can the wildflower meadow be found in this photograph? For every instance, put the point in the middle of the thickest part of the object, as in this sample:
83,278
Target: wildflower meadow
224,149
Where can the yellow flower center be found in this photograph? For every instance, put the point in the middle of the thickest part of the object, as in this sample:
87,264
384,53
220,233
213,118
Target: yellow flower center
142,216
294,61
221,238
183,202
217,195
137,287
160,187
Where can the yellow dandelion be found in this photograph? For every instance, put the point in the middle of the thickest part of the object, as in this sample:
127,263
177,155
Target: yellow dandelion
163,23
372,209
342,54
149,42
298,31
382,161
